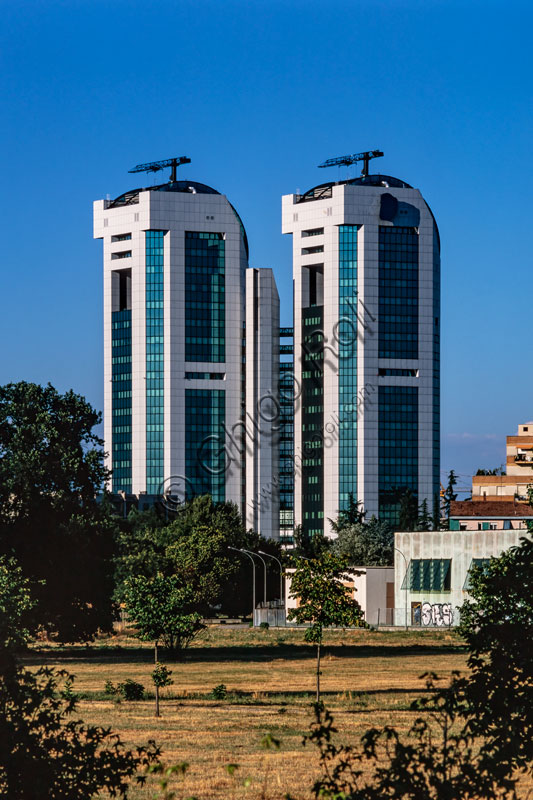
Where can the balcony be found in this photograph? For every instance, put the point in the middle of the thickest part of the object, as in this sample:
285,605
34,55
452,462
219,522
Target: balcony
524,458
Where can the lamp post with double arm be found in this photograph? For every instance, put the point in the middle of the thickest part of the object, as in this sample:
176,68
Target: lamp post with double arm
246,553
269,555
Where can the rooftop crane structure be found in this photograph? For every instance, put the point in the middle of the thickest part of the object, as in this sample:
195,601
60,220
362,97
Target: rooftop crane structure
155,166
353,159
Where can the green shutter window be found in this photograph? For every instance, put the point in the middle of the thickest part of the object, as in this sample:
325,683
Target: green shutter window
428,575
454,525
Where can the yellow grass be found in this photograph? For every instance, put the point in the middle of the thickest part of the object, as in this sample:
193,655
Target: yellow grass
368,679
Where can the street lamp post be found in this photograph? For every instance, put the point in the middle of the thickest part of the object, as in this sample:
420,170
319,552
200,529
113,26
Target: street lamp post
238,550
406,587
251,553
280,572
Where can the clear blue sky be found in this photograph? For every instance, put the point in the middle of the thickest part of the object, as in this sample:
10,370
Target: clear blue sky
257,94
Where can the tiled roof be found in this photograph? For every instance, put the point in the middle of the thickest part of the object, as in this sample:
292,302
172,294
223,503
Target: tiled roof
489,508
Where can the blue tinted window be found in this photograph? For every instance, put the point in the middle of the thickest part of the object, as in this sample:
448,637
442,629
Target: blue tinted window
205,315
398,292
121,400
155,354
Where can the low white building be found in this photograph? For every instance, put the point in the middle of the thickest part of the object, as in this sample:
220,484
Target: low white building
372,587
431,572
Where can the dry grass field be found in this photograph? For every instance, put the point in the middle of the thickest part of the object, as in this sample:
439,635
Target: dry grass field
368,679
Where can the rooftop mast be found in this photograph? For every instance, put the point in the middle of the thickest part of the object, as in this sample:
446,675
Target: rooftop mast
155,166
347,160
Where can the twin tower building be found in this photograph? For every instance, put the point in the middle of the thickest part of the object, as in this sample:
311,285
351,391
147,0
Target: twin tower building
205,393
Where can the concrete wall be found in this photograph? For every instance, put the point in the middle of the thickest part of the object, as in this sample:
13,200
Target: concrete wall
441,609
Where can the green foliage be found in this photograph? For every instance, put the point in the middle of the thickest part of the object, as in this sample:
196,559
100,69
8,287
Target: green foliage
309,545
354,514
161,676
497,471
476,735
128,690
449,495
16,605
131,690
323,599
193,547
165,776
368,544
434,761
424,517
264,626
436,512
219,692
408,515
163,608
497,625
46,753
51,470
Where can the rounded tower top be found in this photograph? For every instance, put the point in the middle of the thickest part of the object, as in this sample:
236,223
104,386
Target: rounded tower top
383,181
185,187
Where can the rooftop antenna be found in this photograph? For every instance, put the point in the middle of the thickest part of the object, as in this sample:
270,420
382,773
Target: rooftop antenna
155,166
347,160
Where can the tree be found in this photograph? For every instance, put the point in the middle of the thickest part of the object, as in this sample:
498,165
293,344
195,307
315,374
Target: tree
160,677
497,625
195,547
408,515
433,761
164,610
308,545
51,471
354,514
369,544
436,512
16,604
424,517
476,736
449,495
44,750
324,600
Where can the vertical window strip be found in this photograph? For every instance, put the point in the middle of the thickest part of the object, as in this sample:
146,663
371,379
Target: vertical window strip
398,292
397,447
121,401
205,313
205,412
155,353
347,363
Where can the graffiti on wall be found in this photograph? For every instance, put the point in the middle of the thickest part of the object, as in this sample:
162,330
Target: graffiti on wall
438,614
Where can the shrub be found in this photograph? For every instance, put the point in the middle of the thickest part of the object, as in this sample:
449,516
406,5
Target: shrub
131,690
264,625
220,692
110,688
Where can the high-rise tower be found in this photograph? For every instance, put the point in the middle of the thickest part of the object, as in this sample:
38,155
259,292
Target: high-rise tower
366,258
175,261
